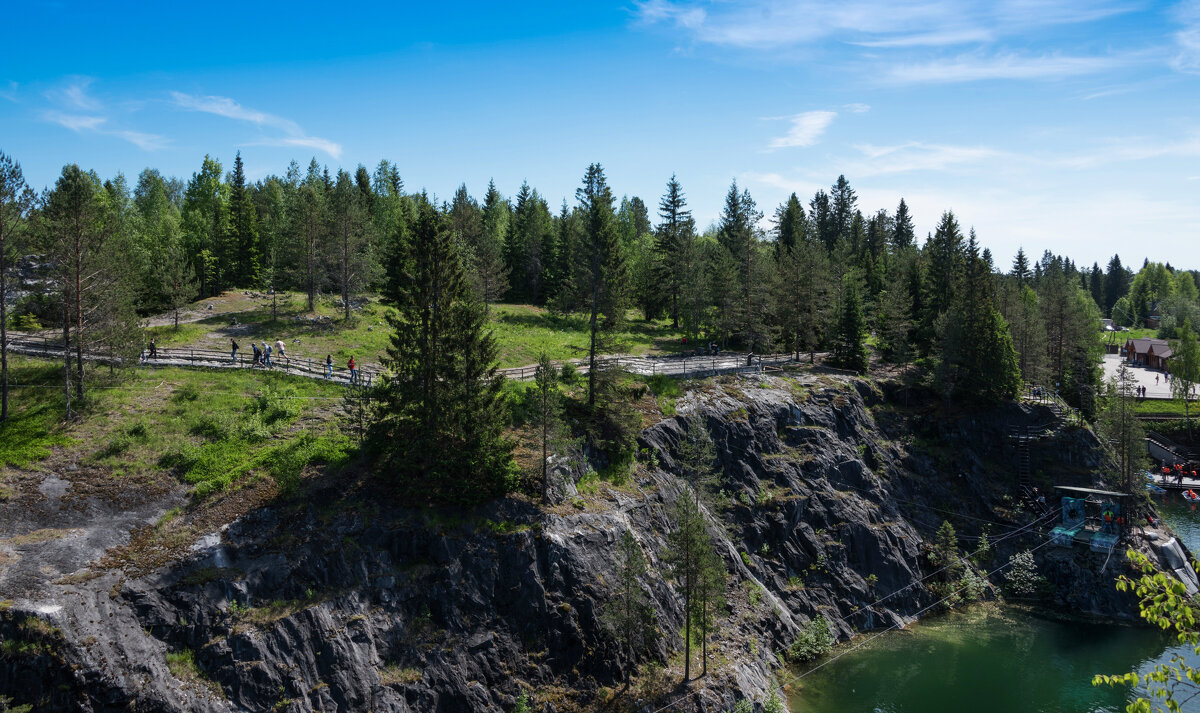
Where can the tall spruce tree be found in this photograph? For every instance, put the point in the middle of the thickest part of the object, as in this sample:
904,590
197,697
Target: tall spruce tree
850,335
904,234
674,246
243,228
442,415
602,267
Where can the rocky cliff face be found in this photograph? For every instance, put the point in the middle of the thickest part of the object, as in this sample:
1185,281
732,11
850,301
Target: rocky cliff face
345,601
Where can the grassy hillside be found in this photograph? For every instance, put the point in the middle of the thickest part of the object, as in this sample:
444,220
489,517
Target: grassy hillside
143,425
522,331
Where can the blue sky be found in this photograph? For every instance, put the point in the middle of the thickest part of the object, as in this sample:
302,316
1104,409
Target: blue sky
1062,124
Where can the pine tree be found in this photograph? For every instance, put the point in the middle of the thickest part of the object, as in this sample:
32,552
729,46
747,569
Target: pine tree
822,220
1020,268
790,226
674,246
205,220
176,277
16,201
710,599
629,612
977,356
547,415
843,205
802,291
1118,425
76,228
356,265
442,416
602,267
243,227
309,218
490,271
1116,284
903,235
849,347
685,559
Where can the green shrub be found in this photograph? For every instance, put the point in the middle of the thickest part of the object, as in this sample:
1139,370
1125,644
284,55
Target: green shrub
663,385
813,641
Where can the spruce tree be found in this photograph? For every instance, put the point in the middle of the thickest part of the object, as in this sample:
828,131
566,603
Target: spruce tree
442,416
602,268
803,287
790,226
850,334
243,227
674,246
903,235
1020,268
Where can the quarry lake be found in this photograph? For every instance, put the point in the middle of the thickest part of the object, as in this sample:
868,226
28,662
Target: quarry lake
990,659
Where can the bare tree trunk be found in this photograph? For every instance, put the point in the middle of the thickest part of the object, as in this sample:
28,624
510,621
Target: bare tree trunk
592,346
67,357
78,317
346,270
3,333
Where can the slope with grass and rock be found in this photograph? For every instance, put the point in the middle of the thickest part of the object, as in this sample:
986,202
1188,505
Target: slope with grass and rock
222,553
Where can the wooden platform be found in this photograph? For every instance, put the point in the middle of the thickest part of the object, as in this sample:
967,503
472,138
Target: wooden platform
1188,483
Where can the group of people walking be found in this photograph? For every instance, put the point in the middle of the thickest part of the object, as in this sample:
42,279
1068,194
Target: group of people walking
264,356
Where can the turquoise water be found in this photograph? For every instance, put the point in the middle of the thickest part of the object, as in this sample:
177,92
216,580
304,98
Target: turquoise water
994,660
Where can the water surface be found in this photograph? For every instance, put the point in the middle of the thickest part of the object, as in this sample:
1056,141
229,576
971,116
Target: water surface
991,659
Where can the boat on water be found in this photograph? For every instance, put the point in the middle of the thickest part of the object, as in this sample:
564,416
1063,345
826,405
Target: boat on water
1191,496
1154,489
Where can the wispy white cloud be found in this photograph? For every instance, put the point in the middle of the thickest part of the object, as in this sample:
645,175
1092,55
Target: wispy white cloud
772,24
918,156
805,130
75,122
932,39
857,108
83,123
74,95
1187,39
146,142
975,68
9,92
294,135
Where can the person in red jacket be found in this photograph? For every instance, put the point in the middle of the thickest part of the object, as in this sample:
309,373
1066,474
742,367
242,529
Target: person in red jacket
353,371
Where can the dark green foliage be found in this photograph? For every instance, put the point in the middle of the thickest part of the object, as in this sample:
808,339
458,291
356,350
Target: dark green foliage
812,642
243,226
629,610
441,415
977,355
849,339
675,247
547,414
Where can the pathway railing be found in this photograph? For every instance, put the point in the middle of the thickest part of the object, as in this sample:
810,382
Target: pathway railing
302,365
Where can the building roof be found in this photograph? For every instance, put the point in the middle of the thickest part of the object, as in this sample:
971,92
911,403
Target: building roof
1163,352
1141,346
1091,491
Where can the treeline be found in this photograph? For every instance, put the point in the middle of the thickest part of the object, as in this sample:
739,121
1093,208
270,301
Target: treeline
821,275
